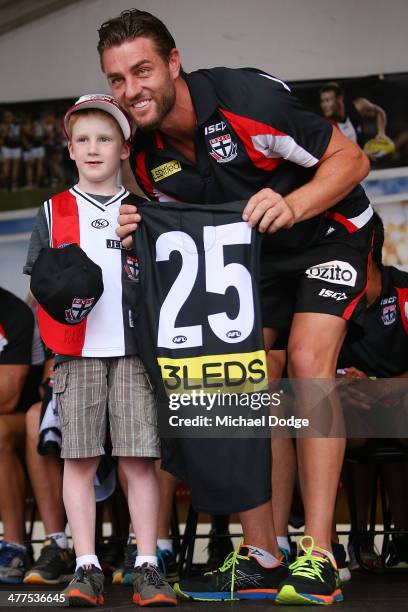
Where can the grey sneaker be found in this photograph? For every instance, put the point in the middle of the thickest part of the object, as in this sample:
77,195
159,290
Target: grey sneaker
86,588
150,588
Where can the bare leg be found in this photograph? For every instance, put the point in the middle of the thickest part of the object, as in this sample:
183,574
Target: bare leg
314,345
79,501
45,473
167,486
12,480
258,528
144,508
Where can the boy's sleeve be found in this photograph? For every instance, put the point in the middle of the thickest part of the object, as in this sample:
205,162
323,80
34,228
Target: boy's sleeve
40,239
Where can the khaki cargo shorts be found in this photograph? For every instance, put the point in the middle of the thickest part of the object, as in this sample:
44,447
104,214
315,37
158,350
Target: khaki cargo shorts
91,388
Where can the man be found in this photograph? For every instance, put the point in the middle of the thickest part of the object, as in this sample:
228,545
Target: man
18,390
348,116
380,406
219,135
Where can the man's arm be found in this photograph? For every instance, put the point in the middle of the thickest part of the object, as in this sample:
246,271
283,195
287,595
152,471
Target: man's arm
12,379
370,110
339,170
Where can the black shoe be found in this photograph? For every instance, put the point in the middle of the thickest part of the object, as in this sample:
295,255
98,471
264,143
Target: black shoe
240,577
54,565
110,555
398,552
339,553
313,579
86,588
218,548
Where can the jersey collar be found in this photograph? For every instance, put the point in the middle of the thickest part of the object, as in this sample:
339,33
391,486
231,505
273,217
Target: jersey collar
115,198
203,95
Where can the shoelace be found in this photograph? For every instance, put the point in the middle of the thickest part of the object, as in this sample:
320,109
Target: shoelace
152,574
230,562
307,565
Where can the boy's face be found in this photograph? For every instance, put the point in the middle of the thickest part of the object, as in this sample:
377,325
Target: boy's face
97,147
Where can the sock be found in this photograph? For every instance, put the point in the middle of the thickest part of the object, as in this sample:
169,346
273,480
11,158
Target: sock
131,538
59,538
330,555
262,556
164,544
150,559
283,542
87,560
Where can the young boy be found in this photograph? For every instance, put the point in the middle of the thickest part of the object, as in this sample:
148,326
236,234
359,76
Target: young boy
103,369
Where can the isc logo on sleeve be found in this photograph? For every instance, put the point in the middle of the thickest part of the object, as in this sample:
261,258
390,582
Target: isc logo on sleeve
161,172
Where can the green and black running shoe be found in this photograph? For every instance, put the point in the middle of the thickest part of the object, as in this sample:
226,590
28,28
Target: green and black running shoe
313,579
240,577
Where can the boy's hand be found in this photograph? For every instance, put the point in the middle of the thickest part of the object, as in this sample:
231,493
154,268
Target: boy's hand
128,220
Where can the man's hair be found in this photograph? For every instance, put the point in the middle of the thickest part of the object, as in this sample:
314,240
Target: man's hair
91,112
378,240
130,25
332,86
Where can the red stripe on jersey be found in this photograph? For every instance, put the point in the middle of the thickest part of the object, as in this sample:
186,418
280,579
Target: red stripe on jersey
63,339
159,140
403,306
65,220
352,306
246,128
350,227
142,174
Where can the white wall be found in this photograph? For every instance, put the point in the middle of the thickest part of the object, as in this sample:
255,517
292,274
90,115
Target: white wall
294,39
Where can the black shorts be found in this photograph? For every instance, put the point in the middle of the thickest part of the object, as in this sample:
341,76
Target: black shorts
328,277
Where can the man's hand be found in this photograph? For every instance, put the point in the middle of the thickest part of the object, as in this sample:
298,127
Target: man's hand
270,210
128,220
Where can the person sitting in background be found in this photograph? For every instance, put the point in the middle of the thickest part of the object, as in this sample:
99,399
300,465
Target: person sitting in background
385,328
19,381
56,562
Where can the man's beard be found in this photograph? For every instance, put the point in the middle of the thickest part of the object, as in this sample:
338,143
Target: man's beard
164,105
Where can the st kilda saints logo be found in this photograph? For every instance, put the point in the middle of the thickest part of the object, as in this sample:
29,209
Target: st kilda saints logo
79,310
222,148
132,268
389,314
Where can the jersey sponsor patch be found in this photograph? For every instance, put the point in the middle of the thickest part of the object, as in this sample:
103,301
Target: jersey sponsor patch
165,170
240,372
338,272
115,244
223,149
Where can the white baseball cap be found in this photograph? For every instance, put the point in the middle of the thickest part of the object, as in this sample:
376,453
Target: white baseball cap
103,102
